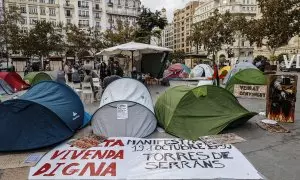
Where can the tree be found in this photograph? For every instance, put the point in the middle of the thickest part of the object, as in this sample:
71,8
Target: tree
10,33
195,36
279,23
149,24
177,56
43,39
120,34
96,41
77,39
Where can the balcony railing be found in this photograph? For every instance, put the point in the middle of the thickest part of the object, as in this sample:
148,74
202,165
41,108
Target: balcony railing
122,12
97,9
69,6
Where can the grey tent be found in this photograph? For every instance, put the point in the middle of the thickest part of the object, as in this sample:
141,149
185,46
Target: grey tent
5,88
126,110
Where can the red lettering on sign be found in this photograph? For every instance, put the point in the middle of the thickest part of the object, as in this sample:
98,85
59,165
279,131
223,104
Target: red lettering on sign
42,170
65,156
99,154
75,155
111,169
52,172
87,154
56,154
117,143
67,171
91,167
119,155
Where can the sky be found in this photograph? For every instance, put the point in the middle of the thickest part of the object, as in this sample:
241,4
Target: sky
170,5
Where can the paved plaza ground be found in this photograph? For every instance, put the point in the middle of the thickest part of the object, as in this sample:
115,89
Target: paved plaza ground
276,156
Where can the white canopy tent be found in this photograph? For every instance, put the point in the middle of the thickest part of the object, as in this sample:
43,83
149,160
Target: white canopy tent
133,49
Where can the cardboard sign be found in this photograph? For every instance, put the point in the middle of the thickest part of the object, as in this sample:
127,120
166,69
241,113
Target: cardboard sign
250,91
281,97
134,158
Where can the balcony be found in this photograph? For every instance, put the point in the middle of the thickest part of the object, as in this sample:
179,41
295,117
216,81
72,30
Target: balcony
122,12
84,16
69,6
110,4
81,6
97,9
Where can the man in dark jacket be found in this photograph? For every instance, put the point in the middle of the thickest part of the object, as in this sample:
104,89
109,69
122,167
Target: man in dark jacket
117,70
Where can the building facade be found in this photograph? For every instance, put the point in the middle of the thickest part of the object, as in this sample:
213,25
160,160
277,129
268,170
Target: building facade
183,20
241,48
98,14
167,37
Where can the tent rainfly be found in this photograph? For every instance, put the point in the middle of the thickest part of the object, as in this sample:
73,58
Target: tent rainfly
14,80
36,77
5,88
246,76
126,110
238,67
47,114
203,70
189,113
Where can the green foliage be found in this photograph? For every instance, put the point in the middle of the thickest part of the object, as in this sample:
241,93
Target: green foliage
121,34
279,23
260,58
280,57
273,58
195,36
149,24
214,32
177,57
78,40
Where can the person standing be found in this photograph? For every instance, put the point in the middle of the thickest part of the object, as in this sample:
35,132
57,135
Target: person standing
103,70
117,70
12,67
88,66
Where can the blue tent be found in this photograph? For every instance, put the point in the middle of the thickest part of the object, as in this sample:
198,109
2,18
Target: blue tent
47,114
5,88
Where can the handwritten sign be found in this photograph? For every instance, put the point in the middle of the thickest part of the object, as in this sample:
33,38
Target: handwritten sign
250,91
134,158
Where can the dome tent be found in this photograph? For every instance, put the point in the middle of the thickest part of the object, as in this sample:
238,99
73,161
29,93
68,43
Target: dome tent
14,80
5,88
36,77
202,70
126,110
47,114
177,71
189,113
247,77
238,67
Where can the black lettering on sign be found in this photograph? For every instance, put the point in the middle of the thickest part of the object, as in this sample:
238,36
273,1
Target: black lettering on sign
163,165
207,164
169,156
158,157
202,156
174,164
219,165
225,155
192,156
185,163
151,165
181,156
216,155
148,156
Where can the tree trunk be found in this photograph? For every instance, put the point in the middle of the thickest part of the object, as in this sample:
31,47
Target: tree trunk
197,48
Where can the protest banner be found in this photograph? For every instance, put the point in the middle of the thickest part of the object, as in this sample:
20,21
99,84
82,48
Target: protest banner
250,91
134,158
281,97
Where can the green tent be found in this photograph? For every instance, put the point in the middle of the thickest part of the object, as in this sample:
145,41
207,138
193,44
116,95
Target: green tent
189,113
36,77
246,76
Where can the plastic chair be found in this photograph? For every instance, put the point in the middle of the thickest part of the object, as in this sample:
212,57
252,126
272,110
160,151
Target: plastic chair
97,88
87,91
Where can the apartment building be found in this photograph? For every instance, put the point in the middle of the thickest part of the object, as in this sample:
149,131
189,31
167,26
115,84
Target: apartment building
183,20
1,9
241,48
99,14
167,36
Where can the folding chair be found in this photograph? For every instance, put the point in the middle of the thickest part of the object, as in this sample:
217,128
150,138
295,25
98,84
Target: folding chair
87,91
97,88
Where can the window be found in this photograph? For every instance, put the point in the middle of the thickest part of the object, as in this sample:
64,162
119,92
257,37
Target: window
42,1
32,10
42,11
119,2
97,6
23,20
23,9
97,15
126,2
51,1
69,21
97,24
133,3
68,13
32,21
52,11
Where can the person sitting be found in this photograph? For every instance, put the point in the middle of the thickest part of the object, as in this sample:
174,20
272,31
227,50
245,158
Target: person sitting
75,75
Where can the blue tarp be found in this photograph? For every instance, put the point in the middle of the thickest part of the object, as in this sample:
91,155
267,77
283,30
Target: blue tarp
47,114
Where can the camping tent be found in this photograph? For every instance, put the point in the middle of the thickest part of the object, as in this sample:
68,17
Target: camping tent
47,114
36,77
5,88
238,67
126,109
202,70
247,76
177,71
224,71
189,113
14,80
